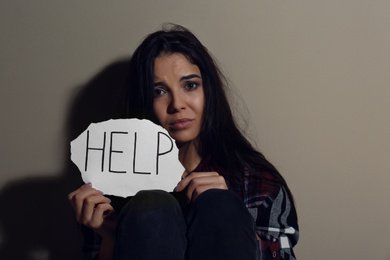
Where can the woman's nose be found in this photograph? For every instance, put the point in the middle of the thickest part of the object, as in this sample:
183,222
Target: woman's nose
177,102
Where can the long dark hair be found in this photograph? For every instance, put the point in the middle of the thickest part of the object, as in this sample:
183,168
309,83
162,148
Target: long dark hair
220,138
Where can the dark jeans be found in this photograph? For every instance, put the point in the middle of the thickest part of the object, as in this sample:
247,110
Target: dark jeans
217,225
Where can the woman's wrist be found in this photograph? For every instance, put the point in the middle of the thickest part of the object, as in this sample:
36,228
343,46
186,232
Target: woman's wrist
107,248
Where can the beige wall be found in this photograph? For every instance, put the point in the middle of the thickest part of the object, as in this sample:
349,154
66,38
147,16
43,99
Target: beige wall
313,74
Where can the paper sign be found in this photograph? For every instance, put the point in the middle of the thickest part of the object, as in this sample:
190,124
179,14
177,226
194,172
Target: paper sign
123,156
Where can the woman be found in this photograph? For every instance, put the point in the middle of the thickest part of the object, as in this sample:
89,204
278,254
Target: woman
231,202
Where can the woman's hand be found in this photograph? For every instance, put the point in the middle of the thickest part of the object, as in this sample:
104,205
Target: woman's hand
94,210
199,182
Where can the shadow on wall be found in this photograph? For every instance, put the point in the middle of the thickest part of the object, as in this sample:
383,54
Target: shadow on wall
36,219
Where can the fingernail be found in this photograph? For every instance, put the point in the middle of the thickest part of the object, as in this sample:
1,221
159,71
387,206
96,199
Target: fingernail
88,185
177,187
109,201
100,192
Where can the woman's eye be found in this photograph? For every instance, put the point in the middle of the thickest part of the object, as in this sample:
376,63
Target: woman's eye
159,92
191,85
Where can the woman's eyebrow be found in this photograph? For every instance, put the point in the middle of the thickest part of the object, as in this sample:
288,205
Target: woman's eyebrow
162,84
159,84
189,77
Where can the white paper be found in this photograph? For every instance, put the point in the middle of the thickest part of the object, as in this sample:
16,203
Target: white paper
123,156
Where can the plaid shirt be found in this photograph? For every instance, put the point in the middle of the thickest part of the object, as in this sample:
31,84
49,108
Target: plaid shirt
271,208
268,203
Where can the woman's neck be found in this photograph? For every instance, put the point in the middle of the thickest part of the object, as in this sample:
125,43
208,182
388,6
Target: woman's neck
189,156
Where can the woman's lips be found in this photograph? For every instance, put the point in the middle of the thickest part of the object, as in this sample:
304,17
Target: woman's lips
181,124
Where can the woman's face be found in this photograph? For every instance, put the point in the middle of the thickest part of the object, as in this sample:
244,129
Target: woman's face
178,97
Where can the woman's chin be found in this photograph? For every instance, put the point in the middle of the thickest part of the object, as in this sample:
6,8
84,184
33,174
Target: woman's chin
181,141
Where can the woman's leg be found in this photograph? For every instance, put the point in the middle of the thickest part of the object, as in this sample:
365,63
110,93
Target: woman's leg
151,226
220,227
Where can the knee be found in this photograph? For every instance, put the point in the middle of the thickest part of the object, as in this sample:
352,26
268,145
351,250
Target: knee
152,199
221,203
218,209
148,204
218,199
147,218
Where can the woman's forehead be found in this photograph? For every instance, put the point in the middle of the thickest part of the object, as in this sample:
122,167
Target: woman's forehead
175,63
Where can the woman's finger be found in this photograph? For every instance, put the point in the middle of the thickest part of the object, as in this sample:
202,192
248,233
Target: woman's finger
198,185
78,195
198,182
202,188
89,207
99,212
79,199
84,187
104,220
184,182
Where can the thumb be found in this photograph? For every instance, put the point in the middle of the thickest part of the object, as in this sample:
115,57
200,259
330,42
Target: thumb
178,186
185,173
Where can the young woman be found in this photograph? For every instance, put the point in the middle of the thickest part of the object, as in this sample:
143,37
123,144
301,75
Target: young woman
231,202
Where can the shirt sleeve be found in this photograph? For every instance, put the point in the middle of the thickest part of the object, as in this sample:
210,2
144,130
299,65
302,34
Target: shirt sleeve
276,226
91,244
